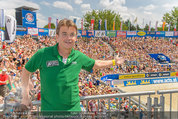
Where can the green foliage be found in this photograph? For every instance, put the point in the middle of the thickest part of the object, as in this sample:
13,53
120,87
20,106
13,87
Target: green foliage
108,15
171,18
52,26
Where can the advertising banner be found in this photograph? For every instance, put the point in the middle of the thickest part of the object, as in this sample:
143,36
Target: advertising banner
160,34
151,33
99,33
169,33
150,81
157,74
131,33
175,33
173,73
111,33
21,29
33,31
121,33
28,18
90,33
79,33
42,32
141,33
110,76
52,32
131,76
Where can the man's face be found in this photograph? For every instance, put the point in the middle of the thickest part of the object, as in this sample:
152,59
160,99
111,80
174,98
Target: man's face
67,37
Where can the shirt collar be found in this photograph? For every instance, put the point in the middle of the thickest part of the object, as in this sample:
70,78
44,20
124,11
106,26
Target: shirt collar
56,53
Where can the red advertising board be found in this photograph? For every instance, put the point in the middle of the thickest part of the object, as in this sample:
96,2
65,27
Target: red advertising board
121,33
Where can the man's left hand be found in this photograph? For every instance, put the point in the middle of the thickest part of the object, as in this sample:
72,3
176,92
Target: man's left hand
119,60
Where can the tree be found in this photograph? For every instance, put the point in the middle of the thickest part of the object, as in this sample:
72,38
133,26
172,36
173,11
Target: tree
146,27
171,18
52,26
108,15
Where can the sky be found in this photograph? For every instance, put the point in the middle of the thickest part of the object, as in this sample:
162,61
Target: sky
144,10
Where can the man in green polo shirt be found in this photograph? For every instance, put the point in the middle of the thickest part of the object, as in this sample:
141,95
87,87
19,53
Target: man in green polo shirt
59,67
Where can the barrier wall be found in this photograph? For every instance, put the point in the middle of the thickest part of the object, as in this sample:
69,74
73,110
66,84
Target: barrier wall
110,33
151,81
137,76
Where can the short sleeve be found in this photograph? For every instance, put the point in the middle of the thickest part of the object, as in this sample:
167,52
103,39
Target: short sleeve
87,63
34,62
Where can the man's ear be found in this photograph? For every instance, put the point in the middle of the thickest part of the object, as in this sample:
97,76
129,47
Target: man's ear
57,36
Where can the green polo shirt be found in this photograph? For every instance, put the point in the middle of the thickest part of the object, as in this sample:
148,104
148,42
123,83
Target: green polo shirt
59,81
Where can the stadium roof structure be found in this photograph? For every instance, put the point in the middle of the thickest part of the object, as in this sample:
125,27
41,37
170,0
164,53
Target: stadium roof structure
25,8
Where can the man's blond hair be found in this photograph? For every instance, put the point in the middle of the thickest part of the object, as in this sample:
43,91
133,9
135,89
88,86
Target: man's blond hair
65,22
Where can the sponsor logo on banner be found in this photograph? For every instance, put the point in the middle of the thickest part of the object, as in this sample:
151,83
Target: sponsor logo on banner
52,32
175,33
164,74
173,73
151,75
131,83
131,76
121,33
151,33
84,33
157,74
21,29
33,31
160,33
29,17
41,30
100,33
90,33
111,33
141,33
78,34
171,33
131,33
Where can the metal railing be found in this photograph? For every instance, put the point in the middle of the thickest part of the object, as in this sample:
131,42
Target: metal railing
157,107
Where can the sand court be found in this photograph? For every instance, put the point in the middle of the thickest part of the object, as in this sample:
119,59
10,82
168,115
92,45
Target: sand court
155,87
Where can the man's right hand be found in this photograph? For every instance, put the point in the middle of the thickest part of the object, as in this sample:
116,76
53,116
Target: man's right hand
26,103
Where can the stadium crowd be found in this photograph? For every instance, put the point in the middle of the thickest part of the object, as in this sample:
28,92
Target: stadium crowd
14,56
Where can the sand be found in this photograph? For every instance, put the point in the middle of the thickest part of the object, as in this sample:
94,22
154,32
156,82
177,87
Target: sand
155,87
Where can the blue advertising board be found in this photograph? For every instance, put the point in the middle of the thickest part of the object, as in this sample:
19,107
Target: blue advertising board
150,81
43,32
28,18
110,76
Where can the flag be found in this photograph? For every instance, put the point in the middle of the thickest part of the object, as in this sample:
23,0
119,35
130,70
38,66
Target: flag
49,22
143,24
75,20
150,26
164,25
121,26
113,26
92,24
105,24
129,24
156,29
135,21
82,24
2,24
175,27
169,25
57,21
99,24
